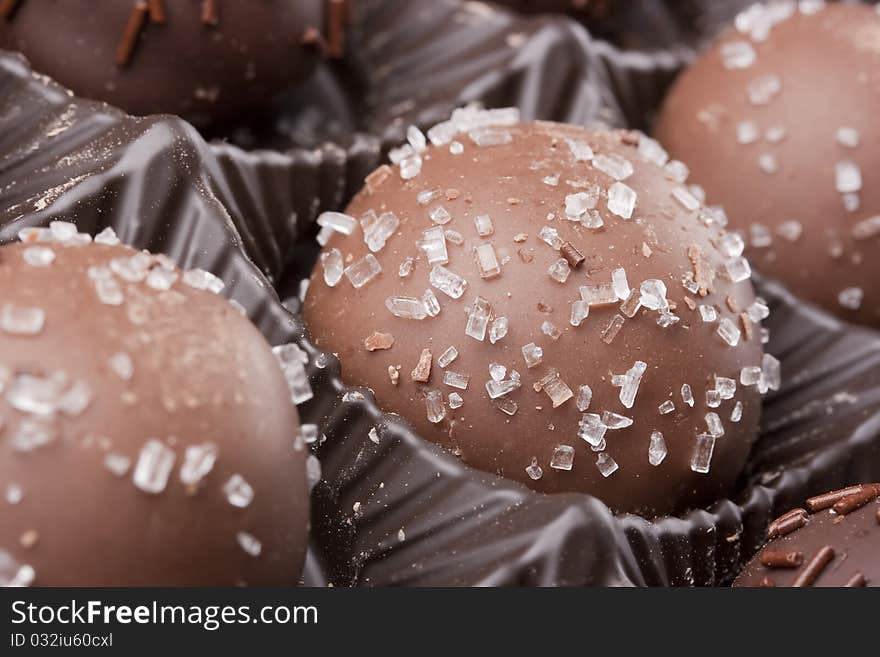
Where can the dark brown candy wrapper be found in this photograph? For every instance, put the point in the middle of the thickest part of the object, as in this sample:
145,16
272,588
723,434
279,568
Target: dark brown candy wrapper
424,518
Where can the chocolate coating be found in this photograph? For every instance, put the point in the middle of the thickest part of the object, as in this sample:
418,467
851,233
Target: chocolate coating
827,548
508,182
181,367
783,167
185,65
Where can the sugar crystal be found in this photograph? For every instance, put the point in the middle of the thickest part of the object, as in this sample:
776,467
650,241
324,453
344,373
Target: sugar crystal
621,200
687,395
580,310
433,245
737,55
450,283
702,456
737,412
434,405
632,380
455,400
763,89
562,458
363,271
613,165
591,429
498,330
406,307
21,320
557,390
612,329
534,470
549,329
456,380
713,423
620,284
850,297
430,303
729,332
478,319
559,270
848,176
615,421
551,237
449,355
607,465
483,224
154,465
440,215
656,448
532,354
584,397
331,261
487,260
666,407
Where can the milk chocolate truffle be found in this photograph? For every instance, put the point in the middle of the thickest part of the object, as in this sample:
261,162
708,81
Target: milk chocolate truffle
552,305
834,541
206,60
147,436
778,122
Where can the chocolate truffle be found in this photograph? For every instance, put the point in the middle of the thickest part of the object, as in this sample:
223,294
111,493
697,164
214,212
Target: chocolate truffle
552,305
778,122
206,61
835,541
147,436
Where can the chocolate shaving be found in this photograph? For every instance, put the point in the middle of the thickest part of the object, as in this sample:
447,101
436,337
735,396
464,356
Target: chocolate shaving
811,571
646,250
422,372
732,304
7,8
767,583
704,273
157,11
572,256
779,559
376,341
393,374
747,325
520,237
857,500
131,33
856,580
451,194
209,12
827,500
785,524
525,256
690,303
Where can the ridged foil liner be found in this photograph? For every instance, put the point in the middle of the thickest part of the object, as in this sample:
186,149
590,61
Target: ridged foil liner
423,518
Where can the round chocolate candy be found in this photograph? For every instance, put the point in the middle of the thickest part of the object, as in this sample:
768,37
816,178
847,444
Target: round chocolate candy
147,436
776,121
835,541
206,61
551,304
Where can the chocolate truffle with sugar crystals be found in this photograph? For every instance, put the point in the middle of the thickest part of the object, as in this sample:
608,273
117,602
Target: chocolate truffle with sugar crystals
147,435
778,122
207,61
833,541
551,304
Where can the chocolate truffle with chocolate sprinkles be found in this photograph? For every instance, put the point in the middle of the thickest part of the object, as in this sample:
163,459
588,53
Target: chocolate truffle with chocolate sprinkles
564,311
833,541
778,122
205,60
147,435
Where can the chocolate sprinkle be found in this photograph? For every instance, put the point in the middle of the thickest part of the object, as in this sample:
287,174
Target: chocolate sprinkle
852,502
856,580
209,12
774,559
811,571
785,524
130,35
7,8
827,500
572,256
157,11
